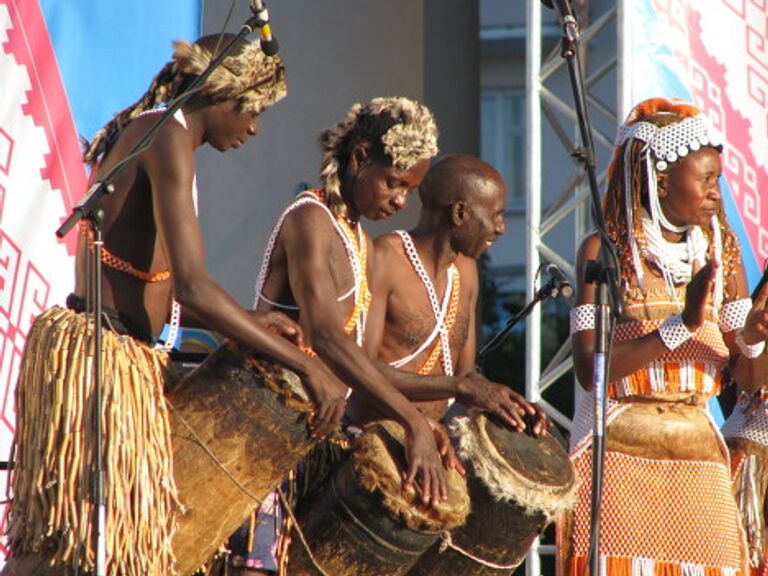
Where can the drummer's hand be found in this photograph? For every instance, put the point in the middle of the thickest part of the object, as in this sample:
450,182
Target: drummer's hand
445,447
478,392
329,395
424,466
281,325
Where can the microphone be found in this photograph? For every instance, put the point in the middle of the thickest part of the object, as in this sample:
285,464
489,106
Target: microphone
268,41
558,282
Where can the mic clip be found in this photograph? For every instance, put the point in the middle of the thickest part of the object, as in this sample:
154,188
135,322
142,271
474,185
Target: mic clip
260,14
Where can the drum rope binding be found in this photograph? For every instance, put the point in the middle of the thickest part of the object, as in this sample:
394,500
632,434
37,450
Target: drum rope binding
356,521
287,507
447,542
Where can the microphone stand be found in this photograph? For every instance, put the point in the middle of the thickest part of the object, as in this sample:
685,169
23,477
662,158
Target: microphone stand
549,290
604,273
91,210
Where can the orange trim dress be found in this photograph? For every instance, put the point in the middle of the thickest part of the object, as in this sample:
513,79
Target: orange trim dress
667,506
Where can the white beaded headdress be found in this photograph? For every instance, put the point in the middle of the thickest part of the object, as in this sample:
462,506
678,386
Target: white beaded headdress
663,146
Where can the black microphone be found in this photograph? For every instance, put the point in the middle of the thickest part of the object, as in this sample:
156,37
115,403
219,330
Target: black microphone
566,14
559,282
268,41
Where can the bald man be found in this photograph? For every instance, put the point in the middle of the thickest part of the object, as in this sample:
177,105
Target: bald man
421,323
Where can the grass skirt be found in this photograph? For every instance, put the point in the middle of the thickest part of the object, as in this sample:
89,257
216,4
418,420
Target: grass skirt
51,513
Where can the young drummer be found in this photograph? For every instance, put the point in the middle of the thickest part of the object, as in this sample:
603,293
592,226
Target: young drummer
316,269
153,253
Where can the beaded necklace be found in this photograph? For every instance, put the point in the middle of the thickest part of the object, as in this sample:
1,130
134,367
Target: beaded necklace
355,245
359,262
117,263
444,320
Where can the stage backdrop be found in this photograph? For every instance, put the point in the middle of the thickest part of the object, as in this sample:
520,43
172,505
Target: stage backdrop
715,54
65,68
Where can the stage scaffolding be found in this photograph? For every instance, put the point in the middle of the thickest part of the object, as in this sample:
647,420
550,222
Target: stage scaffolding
550,100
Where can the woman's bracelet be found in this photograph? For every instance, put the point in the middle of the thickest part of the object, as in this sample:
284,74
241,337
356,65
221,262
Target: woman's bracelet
674,332
750,351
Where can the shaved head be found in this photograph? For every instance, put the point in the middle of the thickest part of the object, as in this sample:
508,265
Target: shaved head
457,178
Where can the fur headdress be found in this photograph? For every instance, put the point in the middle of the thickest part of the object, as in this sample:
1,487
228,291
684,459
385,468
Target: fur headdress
255,79
410,137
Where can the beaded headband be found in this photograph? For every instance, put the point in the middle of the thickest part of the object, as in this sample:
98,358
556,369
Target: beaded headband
255,79
665,145
672,142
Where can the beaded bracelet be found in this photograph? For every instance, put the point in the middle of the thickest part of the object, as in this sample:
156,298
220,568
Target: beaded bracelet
750,351
734,314
674,332
583,318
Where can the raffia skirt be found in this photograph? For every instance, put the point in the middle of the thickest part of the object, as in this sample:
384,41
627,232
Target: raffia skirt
52,505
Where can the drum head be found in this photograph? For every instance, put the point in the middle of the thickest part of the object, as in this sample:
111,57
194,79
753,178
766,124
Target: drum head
533,472
380,466
539,459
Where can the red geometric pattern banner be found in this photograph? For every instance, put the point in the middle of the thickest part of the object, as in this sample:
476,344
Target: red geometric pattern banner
41,177
722,47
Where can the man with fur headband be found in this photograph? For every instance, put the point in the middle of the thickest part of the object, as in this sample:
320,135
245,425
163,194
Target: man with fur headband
154,261
421,324
667,505
316,268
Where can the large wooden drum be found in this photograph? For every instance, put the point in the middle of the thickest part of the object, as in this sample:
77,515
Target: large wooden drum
362,523
239,425
517,484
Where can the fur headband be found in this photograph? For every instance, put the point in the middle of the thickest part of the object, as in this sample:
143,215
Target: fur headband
255,79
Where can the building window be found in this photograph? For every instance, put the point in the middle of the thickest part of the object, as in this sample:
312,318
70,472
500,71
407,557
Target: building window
502,138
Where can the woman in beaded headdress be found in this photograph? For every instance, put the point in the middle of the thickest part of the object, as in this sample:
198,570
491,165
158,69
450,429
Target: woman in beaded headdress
153,252
316,269
667,506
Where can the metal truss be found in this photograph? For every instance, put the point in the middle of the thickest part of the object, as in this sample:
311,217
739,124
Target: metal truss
549,99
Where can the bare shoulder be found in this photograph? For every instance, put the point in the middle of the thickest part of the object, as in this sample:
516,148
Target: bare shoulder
589,248
389,262
467,266
172,134
309,223
388,247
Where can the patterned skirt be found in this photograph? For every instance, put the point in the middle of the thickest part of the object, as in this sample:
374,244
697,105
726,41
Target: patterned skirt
667,507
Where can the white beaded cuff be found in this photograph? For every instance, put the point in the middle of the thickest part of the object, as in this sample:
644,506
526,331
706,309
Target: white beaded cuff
750,351
673,332
734,314
583,317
